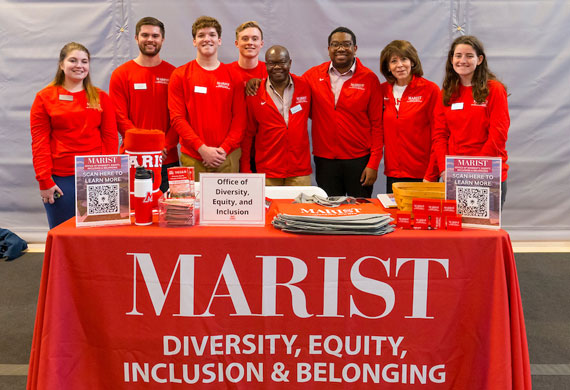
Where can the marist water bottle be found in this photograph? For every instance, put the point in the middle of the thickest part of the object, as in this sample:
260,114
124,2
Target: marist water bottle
143,196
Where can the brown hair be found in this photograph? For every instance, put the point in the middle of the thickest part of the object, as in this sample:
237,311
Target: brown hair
480,78
59,79
249,24
206,21
149,21
403,49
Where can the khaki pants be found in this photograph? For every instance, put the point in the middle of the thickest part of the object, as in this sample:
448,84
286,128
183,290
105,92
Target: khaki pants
289,181
231,165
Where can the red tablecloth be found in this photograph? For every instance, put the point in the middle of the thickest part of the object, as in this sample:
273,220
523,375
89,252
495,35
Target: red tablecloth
230,307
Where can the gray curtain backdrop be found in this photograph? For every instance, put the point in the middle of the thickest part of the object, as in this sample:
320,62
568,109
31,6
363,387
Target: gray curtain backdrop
527,44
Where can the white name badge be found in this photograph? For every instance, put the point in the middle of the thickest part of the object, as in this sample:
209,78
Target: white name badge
457,106
232,199
67,98
296,109
140,85
198,89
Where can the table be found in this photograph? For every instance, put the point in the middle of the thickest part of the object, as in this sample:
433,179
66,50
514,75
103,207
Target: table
249,308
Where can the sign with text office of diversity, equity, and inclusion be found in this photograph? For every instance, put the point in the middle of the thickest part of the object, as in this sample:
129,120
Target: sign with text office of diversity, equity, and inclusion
232,199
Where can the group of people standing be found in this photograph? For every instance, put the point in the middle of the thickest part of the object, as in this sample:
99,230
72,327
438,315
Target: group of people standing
252,116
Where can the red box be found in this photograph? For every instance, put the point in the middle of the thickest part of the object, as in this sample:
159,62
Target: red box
419,206
404,220
453,222
449,207
433,206
436,222
421,221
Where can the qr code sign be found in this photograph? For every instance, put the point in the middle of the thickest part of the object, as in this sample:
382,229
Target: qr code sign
473,201
102,199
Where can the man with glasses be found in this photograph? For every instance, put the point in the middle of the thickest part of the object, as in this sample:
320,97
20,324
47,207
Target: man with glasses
346,112
277,123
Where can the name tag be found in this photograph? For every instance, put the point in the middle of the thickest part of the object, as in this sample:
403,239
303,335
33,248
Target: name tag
67,98
457,106
140,85
296,109
198,89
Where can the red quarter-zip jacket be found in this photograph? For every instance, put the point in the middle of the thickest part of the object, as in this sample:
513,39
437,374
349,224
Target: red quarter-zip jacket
281,150
408,132
352,128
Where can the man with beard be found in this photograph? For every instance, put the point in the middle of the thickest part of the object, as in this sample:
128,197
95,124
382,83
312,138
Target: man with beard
346,113
277,121
139,90
207,105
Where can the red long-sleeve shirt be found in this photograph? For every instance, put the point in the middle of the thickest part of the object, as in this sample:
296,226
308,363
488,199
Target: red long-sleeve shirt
244,75
467,128
408,131
352,128
63,126
206,108
282,150
140,96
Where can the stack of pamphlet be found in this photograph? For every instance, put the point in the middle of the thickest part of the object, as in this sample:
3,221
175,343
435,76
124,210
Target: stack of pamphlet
362,218
177,206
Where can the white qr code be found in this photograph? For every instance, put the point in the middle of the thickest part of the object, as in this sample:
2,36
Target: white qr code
473,201
102,199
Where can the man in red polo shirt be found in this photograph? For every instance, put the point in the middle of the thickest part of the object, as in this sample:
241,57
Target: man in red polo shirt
207,105
277,121
346,112
139,90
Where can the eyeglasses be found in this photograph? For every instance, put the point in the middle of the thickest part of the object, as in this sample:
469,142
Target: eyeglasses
345,45
274,64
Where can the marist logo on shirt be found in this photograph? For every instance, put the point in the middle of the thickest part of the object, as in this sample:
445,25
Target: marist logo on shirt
357,86
301,99
223,84
415,99
475,104
161,80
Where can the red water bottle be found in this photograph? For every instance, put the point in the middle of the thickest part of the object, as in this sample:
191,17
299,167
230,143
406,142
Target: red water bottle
143,196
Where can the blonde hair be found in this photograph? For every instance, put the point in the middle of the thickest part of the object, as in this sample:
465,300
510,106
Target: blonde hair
249,24
90,90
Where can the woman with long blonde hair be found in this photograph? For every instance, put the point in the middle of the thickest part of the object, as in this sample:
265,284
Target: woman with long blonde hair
70,117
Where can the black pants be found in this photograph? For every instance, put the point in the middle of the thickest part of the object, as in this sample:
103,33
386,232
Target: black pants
503,193
164,173
342,177
391,180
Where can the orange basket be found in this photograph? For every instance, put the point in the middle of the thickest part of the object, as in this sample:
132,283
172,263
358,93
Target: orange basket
405,192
